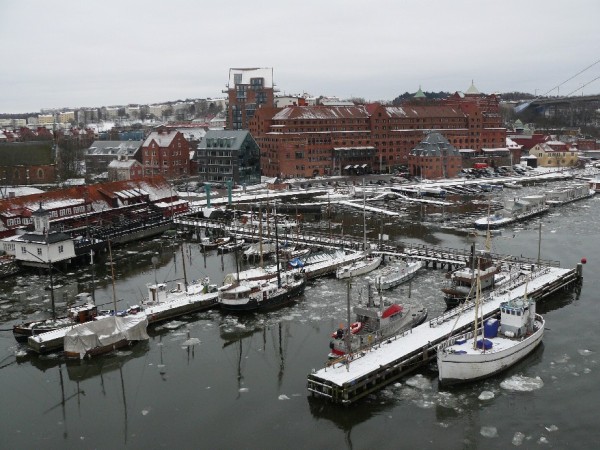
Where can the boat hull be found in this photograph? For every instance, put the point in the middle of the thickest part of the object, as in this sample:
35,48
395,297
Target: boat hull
366,338
358,268
402,276
256,304
457,367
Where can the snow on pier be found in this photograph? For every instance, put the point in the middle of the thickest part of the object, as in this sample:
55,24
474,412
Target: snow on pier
387,361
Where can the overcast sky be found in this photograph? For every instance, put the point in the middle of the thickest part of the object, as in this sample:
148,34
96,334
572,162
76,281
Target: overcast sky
75,53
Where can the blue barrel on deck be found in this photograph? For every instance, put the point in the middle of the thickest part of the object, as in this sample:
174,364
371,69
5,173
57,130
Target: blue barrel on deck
484,344
490,328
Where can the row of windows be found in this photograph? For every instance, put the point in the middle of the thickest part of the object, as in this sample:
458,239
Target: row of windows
24,251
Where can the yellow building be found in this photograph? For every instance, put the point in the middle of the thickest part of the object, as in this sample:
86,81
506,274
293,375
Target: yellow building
554,156
66,117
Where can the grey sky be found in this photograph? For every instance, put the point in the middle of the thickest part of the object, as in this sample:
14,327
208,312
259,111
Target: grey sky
74,53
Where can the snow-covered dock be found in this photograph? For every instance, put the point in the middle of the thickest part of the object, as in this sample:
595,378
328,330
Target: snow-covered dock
344,381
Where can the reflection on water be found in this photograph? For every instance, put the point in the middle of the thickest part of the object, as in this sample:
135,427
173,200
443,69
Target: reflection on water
200,374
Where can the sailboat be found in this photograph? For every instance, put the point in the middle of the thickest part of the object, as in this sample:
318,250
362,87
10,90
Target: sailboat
264,294
162,304
107,334
366,264
493,345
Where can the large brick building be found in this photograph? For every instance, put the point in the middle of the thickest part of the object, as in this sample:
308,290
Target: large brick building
329,140
434,157
24,163
248,90
166,152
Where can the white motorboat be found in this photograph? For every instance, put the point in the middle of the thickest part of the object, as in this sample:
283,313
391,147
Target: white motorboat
366,265
394,275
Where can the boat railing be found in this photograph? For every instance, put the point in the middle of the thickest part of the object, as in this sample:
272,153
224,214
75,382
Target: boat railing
377,341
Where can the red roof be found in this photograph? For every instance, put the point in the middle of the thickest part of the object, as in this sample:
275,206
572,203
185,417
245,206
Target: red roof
394,309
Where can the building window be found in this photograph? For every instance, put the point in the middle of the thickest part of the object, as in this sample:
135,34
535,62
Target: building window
61,249
23,250
39,251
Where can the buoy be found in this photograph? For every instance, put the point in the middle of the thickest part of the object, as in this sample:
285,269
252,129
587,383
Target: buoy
583,260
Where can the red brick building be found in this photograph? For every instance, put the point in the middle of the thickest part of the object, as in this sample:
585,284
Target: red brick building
25,163
434,157
248,90
328,140
166,152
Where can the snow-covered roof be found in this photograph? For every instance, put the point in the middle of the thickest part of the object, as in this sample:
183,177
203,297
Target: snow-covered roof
321,112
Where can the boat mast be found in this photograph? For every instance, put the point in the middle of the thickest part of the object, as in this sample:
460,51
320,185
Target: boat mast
364,217
260,234
348,346
185,282
112,273
477,298
277,247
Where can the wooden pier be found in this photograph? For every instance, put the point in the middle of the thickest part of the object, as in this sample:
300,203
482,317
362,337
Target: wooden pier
433,256
352,377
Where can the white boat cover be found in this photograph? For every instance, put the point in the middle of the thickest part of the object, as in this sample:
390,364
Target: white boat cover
105,331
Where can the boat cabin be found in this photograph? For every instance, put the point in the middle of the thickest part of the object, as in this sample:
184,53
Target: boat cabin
157,293
516,317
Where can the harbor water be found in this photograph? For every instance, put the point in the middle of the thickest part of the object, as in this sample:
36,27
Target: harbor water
214,380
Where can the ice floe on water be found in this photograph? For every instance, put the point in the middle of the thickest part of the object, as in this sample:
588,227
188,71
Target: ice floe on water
551,428
191,341
543,440
518,438
486,395
173,325
244,389
419,382
584,352
489,432
448,400
563,359
283,397
522,383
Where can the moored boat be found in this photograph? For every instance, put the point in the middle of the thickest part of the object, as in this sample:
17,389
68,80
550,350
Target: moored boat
76,314
462,281
360,267
494,346
394,275
104,335
261,295
374,323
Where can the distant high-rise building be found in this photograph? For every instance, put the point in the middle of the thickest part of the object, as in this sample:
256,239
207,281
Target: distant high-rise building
248,90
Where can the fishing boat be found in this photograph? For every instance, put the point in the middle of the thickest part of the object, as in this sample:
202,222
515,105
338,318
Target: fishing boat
374,323
360,267
76,314
462,281
493,346
394,275
105,335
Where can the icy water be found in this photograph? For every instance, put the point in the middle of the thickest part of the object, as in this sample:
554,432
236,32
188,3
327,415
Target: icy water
218,381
